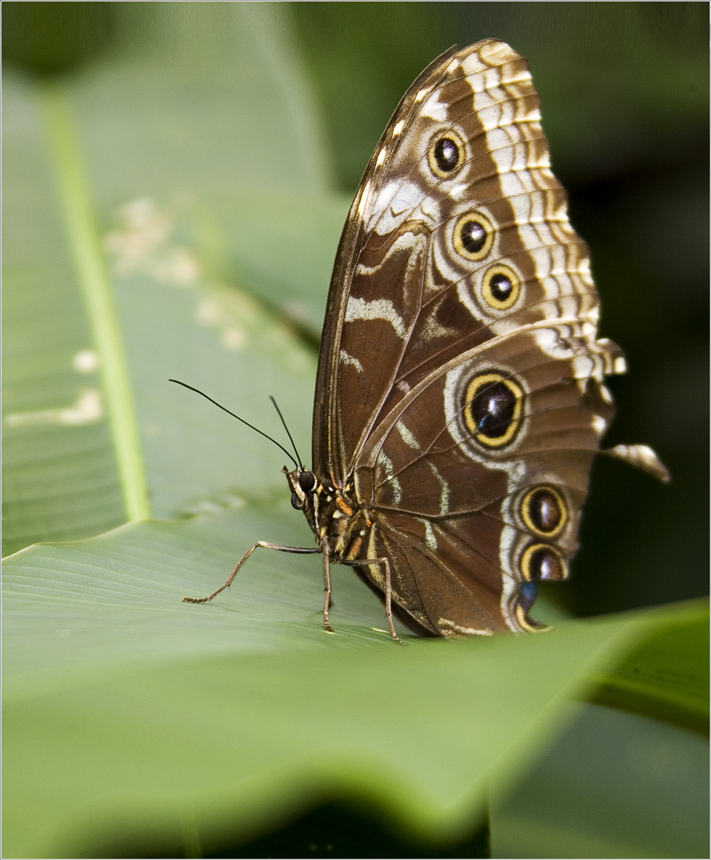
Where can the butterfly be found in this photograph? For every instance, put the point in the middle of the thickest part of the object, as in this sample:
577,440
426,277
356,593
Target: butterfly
460,395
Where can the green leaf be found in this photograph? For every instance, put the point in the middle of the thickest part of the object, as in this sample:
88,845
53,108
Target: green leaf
117,277
237,714
666,677
615,784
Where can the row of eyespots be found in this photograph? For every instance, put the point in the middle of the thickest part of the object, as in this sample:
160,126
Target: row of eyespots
474,233
494,402
545,513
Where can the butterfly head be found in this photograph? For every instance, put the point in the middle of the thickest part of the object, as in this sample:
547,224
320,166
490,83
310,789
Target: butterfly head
302,484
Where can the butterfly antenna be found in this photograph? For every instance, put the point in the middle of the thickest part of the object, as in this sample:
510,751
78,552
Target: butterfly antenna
251,426
287,429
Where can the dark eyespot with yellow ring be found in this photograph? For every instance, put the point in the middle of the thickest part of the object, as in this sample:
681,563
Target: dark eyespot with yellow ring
493,409
473,236
542,561
446,154
501,287
544,511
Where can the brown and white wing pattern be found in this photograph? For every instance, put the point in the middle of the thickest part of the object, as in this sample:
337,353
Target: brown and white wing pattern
460,389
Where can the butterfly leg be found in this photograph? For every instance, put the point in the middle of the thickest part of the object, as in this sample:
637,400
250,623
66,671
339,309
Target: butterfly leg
389,599
326,585
388,588
228,582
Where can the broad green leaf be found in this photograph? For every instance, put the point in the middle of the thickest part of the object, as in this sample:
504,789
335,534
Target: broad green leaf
59,472
666,677
137,194
237,714
618,783
615,784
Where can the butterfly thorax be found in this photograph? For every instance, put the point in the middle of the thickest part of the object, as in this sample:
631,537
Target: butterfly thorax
332,513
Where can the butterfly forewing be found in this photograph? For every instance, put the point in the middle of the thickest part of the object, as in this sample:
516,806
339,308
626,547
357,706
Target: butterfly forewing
405,282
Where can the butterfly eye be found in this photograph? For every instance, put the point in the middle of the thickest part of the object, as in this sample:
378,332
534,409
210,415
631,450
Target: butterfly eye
544,511
501,287
493,409
446,154
307,481
542,561
473,236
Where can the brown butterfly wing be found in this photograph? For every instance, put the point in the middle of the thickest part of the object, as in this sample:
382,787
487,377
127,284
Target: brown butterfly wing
337,413
460,378
487,519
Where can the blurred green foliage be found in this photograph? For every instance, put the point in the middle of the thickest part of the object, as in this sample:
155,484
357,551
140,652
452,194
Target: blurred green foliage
52,38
